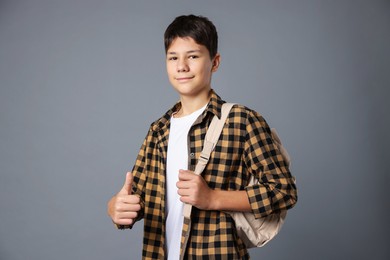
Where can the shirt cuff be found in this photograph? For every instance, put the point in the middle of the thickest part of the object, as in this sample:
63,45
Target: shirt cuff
259,201
122,227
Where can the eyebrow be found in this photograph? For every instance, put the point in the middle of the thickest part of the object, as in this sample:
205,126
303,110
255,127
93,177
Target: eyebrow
188,52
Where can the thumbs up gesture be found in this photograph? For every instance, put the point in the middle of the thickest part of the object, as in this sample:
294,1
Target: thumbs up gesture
123,207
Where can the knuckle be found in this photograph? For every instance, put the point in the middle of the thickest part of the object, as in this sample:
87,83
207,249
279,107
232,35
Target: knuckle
132,215
138,207
119,198
120,208
136,199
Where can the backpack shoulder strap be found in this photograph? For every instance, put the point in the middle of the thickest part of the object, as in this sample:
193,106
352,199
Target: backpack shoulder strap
211,139
212,136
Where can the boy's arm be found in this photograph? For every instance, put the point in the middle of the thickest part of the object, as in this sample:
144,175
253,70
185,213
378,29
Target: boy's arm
194,190
276,189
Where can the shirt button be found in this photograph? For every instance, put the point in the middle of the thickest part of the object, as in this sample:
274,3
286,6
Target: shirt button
192,155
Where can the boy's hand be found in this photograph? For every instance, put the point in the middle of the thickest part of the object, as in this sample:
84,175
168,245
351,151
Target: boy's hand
194,190
123,207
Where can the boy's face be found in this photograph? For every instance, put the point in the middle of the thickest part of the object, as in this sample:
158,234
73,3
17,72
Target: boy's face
189,67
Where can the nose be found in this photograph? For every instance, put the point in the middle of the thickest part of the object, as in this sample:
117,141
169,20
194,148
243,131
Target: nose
182,65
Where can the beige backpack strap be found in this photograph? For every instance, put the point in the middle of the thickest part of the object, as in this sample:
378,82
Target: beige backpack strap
211,139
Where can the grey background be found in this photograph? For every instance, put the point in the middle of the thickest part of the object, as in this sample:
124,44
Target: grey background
80,82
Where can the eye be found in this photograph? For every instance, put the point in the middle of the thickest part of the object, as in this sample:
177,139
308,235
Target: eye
193,57
172,58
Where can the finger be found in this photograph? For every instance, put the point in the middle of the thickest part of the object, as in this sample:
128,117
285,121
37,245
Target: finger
185,175
127,215
129,199
125,218
126,189
187,199
184,184
123,221
183,191
127,208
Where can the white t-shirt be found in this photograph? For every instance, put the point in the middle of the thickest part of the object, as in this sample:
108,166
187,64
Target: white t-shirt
177,159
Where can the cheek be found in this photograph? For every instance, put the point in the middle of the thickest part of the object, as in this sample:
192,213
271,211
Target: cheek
206,74
170,70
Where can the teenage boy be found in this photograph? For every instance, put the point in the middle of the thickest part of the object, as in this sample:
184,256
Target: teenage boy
162,178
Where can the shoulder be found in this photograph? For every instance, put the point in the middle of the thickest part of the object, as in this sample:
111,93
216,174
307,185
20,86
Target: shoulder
164,120
247,119
242,111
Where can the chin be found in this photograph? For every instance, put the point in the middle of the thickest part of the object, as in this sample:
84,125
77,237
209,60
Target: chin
189,89
190,92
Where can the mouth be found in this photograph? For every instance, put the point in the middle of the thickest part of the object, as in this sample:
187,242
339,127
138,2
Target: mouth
184,79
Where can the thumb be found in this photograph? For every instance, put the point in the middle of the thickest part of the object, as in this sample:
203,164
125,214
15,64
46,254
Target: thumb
128,184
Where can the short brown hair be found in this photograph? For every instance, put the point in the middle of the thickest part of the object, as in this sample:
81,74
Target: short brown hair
199,28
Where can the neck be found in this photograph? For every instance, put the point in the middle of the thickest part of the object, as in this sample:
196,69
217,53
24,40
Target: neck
192,104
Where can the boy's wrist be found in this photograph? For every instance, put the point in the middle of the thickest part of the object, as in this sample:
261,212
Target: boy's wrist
215,200
224,200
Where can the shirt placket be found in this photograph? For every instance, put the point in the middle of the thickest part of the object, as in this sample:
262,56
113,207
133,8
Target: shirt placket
192,159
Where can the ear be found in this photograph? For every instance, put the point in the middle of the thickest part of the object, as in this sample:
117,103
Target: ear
216,62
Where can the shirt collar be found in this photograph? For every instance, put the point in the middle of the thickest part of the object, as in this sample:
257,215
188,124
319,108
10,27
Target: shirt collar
213,108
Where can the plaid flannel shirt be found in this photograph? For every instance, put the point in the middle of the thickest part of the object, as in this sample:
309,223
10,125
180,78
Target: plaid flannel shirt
245,148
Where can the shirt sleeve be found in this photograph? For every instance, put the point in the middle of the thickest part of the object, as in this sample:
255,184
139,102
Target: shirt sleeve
276,188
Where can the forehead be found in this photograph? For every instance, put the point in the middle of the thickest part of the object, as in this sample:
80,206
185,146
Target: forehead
185,44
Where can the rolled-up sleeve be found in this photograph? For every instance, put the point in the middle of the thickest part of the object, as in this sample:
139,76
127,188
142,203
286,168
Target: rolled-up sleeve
276,188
